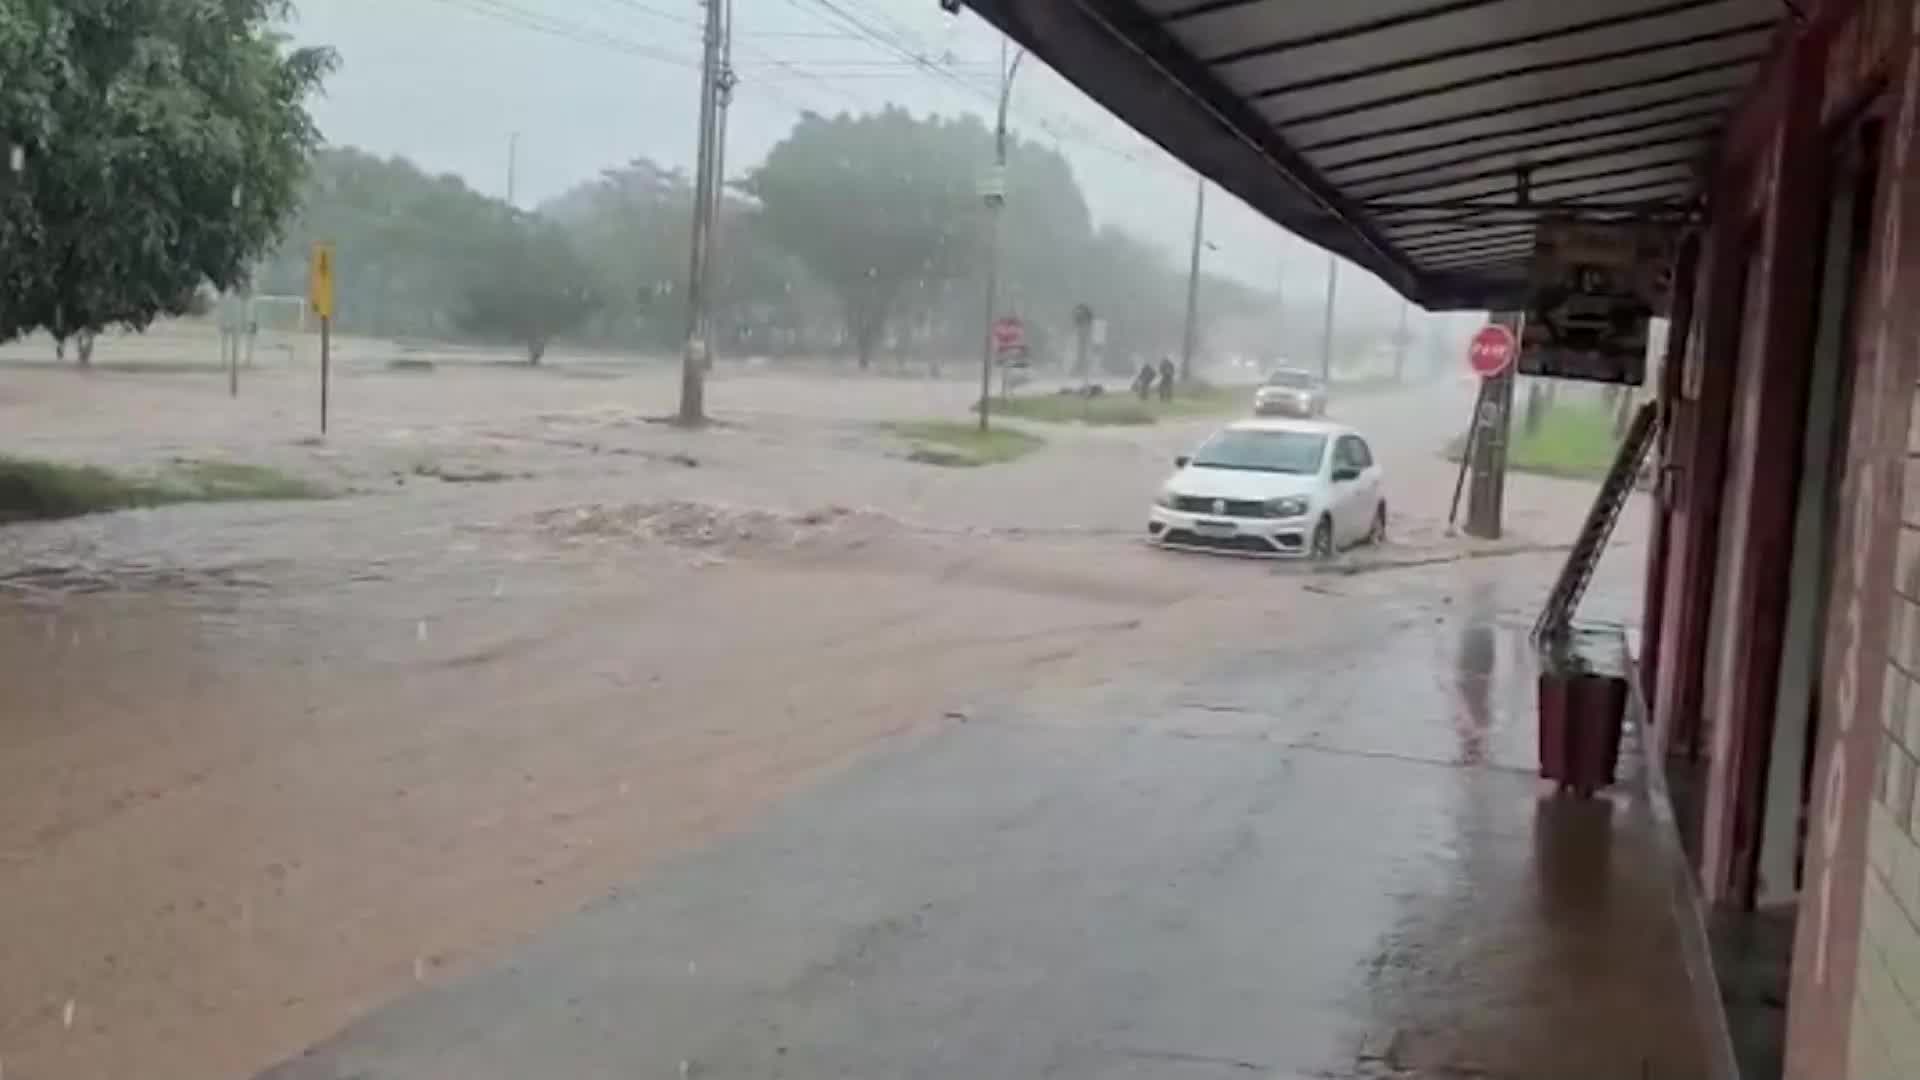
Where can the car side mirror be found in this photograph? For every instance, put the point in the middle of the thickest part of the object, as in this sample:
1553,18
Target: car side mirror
1345,473
1181,461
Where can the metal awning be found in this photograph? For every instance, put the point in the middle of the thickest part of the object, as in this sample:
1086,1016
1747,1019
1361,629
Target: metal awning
1422,139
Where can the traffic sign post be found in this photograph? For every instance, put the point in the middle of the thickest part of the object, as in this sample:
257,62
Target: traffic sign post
320,299
1082,340
1492,350
1009,335
1491,354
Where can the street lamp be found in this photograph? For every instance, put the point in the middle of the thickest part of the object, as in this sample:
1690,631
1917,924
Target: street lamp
994,192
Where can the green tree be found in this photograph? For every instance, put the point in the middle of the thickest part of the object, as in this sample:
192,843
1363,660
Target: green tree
632,226
407,243
160,145
873,205
535,289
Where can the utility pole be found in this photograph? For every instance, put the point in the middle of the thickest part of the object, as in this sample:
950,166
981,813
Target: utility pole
718,192
513,163
1326,326
1187,340
693,361
994,192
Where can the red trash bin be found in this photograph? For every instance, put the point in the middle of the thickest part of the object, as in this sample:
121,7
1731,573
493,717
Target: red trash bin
1583,705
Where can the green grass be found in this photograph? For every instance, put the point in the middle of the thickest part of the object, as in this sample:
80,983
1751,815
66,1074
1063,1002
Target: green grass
1572,440
1123,409
37,490
961,444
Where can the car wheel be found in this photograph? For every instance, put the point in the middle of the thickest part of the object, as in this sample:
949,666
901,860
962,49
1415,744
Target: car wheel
1377,535
1323,540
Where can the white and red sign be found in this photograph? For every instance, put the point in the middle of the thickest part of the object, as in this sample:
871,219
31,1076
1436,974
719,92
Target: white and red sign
1009,334
1492,350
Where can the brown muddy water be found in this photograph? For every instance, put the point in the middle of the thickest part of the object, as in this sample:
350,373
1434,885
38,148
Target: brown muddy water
263,768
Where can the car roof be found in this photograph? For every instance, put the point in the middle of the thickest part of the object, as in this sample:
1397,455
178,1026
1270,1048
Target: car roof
1305,427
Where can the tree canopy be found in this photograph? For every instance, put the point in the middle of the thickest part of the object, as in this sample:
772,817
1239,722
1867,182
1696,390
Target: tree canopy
885,209
857,233
874,205
408,243
535,288
633,224
145,150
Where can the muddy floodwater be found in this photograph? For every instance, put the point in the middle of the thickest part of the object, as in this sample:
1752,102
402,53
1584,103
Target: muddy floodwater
265,767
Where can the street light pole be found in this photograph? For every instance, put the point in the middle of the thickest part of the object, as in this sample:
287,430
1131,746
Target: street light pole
513,163
1400,346
1326,327
1187,340
995,194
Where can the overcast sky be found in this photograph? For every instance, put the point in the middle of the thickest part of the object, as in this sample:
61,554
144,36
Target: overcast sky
588,84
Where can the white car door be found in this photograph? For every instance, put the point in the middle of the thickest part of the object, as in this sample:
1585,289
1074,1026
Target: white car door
1368,492
1347,476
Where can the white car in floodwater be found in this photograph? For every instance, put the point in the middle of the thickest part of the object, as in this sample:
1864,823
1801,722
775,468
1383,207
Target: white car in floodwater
1290,392
1274,487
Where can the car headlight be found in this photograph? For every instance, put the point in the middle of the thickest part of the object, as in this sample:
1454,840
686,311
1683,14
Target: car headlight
1291,507
1164,500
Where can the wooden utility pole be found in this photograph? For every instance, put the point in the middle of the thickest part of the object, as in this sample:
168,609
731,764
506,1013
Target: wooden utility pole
693,359
717,192
994,194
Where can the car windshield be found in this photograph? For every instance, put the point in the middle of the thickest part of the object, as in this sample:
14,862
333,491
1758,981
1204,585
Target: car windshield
1262,451
1297,380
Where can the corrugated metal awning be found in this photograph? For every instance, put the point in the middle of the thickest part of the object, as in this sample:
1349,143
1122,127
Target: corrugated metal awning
1422,139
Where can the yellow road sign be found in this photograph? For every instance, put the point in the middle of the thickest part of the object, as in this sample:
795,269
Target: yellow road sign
320,281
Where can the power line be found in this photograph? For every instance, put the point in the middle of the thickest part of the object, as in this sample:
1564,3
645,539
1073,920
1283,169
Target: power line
917,57
814,35
501,11
648,9
906,52
850,62
912,58
509,14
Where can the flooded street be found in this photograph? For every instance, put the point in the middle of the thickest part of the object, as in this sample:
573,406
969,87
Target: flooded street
859,766
1319,852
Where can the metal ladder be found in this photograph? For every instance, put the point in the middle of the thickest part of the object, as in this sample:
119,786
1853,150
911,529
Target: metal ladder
1585,556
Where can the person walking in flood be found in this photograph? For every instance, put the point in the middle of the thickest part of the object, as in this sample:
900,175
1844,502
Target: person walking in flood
1166,378
1143,382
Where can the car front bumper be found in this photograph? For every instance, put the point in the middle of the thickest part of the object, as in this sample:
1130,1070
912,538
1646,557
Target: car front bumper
1283,407
1268,537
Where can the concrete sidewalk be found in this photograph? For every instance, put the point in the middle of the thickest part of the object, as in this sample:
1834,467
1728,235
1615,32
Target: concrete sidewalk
1327,861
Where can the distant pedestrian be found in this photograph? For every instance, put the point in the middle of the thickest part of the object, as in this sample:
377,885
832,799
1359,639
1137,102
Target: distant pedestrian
1143,382
1166,378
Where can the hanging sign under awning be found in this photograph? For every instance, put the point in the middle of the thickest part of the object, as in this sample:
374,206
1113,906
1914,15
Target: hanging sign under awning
1595,287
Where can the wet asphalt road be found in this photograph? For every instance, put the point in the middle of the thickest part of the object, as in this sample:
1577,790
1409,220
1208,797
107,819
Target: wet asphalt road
1325,858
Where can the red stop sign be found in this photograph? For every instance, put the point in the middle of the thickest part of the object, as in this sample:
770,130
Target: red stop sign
1492,349
1009,333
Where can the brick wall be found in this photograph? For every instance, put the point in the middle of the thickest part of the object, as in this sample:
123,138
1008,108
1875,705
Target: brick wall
1885,1036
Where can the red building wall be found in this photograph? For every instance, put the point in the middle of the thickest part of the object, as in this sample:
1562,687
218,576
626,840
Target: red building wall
1876,65
1854,1004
